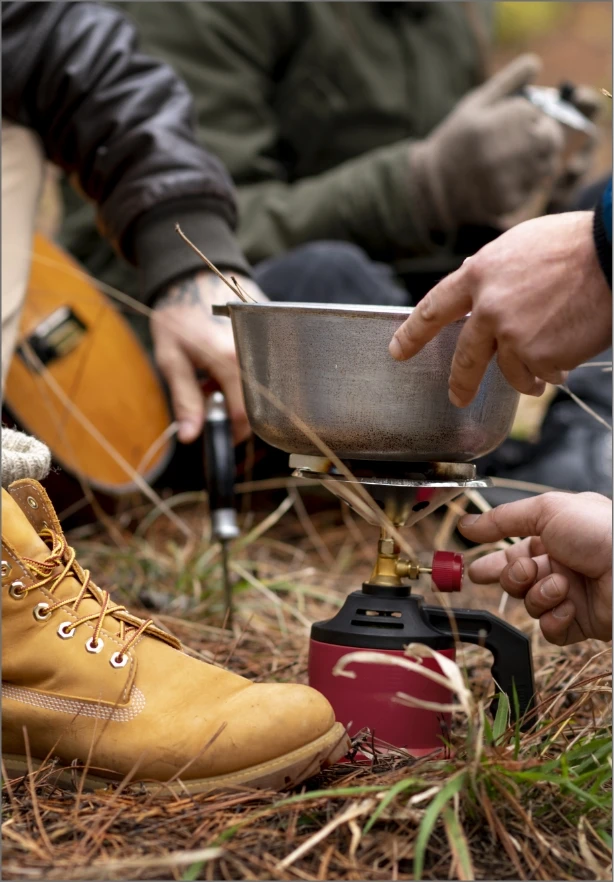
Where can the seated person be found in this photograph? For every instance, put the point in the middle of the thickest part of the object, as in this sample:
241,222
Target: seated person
372,124
366,143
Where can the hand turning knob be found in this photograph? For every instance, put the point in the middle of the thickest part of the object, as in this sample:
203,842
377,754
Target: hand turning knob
447,570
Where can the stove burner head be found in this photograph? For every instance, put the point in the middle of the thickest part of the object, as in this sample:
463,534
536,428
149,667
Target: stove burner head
405,491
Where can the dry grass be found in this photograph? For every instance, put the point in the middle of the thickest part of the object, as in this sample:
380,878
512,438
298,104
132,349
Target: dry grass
501,805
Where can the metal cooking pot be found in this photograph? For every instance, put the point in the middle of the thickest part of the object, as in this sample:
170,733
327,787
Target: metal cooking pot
329,366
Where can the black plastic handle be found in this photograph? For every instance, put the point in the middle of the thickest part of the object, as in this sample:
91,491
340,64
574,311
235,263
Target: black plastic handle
512,665
219,455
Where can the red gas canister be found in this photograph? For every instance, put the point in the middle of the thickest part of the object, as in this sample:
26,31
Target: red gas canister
369,701
386,620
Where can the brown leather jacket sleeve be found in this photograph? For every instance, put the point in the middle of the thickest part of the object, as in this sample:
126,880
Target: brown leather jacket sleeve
119,123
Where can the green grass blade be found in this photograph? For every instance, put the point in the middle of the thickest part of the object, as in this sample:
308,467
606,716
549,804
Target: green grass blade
329,793
538,777
458,843
430,819
488,733
394,791
516,706
585,796
334,792
502,718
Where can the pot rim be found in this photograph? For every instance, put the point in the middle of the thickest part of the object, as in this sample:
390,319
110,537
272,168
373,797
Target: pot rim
332,309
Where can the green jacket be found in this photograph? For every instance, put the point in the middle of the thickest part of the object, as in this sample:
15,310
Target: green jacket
312,105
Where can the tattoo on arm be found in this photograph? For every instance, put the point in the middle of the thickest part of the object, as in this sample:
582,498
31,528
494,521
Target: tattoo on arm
201,291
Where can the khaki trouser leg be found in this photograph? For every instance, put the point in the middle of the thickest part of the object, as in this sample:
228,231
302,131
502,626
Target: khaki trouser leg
22,178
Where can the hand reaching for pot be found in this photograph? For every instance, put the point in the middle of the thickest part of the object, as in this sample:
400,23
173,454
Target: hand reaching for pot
189,339
562,569
538,300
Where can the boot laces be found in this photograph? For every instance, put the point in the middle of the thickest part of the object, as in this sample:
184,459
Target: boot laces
48,577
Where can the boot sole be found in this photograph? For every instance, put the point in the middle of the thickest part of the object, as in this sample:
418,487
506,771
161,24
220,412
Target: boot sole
282,773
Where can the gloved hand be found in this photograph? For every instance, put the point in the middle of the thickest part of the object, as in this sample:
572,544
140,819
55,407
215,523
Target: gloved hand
577,165
487,158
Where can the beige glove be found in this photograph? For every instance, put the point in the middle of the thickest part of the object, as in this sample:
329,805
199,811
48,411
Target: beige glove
486,159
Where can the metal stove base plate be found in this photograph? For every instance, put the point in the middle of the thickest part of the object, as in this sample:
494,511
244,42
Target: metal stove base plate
399,474
406,493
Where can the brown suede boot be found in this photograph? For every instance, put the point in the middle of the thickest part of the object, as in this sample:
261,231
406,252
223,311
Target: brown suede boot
112,695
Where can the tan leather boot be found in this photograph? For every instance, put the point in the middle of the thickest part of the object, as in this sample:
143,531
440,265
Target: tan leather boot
112,695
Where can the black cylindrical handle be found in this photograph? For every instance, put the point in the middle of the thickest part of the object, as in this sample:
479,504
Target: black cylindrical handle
512,666
220,467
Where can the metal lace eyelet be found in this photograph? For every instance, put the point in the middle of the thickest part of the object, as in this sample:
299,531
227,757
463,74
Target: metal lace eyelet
66,631
17,590
5,569
94,647
32,502
41,612
118,660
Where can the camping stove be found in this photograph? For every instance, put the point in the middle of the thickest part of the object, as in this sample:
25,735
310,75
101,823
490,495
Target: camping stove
319,376
385,617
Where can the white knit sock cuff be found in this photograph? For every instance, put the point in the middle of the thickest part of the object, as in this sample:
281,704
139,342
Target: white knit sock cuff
23,457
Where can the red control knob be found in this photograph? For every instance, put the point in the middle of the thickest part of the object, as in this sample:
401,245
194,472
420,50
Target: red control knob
447,570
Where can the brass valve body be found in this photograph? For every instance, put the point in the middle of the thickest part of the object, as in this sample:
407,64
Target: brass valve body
389,570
